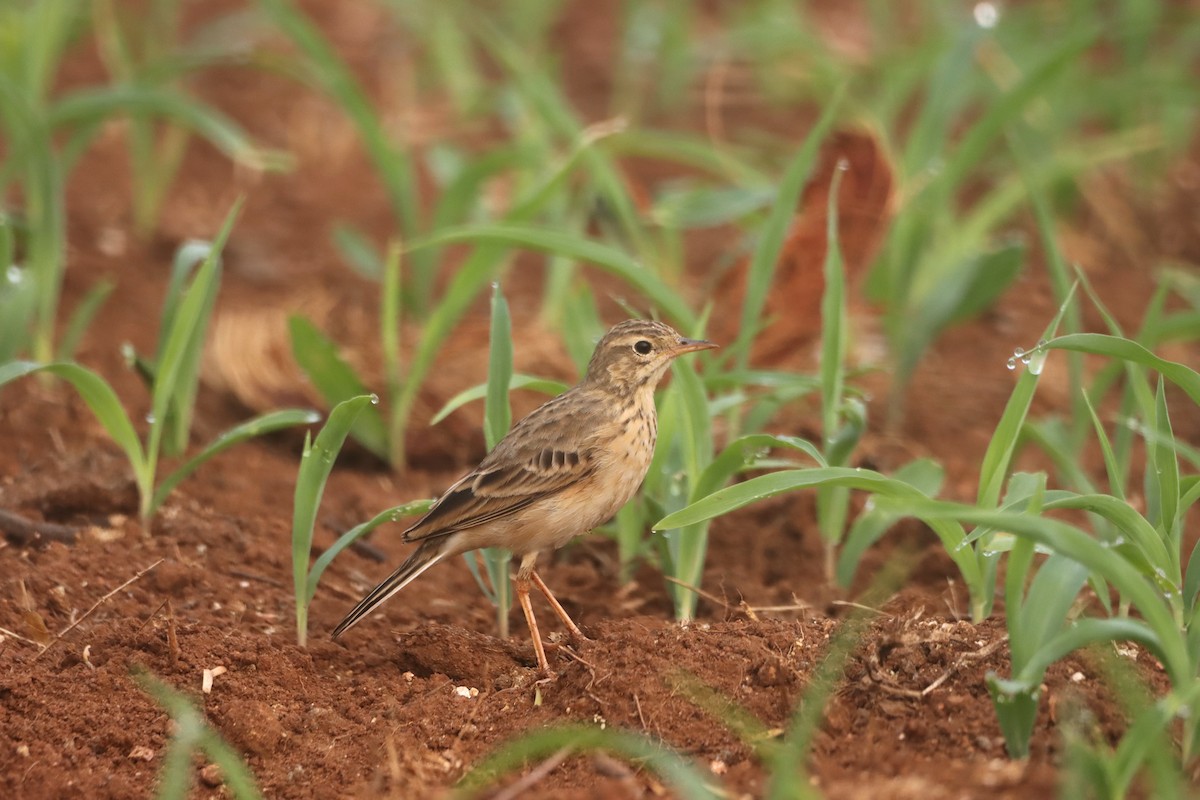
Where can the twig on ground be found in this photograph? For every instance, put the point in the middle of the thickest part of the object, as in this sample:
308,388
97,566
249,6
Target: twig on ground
16,635
96,605
531,778
21,531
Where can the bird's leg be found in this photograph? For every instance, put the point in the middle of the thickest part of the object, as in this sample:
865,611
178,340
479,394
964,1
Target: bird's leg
521,583
557,606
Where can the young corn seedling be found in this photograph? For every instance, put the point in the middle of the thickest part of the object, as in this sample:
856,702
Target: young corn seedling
974,556
497,419
1140,556
172,390
46,134
193,735
785,757
145,50
1093,768
316,463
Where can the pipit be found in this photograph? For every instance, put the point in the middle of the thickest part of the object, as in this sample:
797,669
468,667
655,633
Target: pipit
561,471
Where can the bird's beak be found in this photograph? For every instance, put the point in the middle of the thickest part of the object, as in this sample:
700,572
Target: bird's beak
691,345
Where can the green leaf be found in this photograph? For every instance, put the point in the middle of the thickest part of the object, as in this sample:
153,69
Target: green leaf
994,471
707,206
315,466
479,392
81,318
541,744
102,401
761,272
1100,344
192,733
497,418
1016,709
358,251
18,306
497,410
764,486
335,380
258,426
189,259
414,508
88,107
177,369
575,247
923,474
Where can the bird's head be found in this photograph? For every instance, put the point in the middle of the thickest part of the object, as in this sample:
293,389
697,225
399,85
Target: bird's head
637,352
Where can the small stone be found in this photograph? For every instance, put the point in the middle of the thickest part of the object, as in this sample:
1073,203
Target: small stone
23,750
210,776
141,753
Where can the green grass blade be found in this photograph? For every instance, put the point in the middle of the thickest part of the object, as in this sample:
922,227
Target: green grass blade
764,486
336,381
86,108
390,312
1084,632
576,247
766,255
82,317
497,418
177,370
258,426
1079,546
351,536
833,317
1162,472
393,166
358,251
545,386
1100,344
994,470
192,731
18,307
689,545
1116,475
189,258
925,475
670,766
315,466
102,401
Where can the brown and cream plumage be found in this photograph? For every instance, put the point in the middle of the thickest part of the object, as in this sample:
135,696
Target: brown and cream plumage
561,471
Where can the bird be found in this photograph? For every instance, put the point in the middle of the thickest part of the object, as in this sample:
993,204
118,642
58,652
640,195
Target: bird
564,469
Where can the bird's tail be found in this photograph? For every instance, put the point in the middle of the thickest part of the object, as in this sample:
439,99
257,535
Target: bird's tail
425,556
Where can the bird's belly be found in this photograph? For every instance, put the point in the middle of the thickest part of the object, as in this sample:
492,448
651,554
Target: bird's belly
553,521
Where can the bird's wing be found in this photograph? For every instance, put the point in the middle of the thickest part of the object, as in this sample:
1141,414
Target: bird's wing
539,457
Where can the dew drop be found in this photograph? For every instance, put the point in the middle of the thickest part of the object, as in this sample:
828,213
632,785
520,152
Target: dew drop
843,165
14,274
151,419
1012,363
374,399
1036,362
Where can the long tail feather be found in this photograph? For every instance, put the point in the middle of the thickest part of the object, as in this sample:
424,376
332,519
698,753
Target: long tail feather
425,556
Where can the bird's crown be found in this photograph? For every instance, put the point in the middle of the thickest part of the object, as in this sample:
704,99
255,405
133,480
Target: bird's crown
637,351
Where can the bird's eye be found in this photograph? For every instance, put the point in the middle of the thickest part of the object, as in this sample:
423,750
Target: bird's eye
643,347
